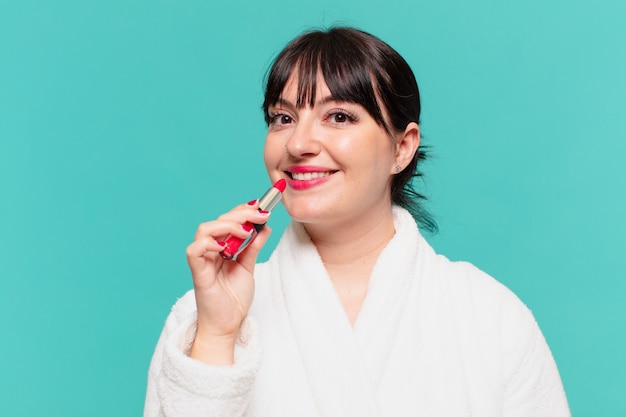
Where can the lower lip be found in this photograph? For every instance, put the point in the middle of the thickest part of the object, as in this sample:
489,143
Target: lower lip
306,184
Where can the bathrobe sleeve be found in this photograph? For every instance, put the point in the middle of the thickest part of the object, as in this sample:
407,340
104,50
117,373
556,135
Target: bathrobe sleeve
179,386
508,366
535,388
516,347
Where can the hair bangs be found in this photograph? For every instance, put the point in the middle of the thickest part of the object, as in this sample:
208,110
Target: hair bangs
349,79
342,67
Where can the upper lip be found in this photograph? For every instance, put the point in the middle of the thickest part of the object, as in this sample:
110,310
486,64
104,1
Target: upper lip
308,168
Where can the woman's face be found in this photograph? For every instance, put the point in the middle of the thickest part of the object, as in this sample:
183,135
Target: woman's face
336,159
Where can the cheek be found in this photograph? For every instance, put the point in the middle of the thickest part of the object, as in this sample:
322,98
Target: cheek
374,151
352,151
271,155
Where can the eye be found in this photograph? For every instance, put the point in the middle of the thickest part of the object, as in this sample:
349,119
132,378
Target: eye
340,116
280,119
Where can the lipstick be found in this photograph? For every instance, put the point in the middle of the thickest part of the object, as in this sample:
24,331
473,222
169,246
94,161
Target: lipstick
303,177
235,245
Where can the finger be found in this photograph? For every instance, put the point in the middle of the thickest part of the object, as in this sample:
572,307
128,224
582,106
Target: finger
199,248
235,212
248,257
203,254
231,223
218,229
243,214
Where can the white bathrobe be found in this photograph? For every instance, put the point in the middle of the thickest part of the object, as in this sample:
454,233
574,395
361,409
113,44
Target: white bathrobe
434,338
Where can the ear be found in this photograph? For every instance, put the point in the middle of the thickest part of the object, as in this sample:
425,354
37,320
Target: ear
406,146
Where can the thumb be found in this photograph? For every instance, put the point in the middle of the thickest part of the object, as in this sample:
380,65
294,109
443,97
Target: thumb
248,257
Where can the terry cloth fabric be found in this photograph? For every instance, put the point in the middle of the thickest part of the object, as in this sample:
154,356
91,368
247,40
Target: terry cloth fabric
433,338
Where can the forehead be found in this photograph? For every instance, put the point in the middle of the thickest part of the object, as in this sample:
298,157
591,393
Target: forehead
305,92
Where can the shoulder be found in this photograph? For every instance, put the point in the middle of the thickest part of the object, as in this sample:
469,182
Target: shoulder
499,319
474,296
471,286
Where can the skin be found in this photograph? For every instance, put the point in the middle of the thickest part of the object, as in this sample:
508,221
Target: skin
347,214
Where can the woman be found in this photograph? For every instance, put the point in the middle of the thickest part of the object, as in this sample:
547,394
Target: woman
354,314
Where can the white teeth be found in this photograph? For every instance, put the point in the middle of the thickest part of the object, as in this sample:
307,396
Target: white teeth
305,176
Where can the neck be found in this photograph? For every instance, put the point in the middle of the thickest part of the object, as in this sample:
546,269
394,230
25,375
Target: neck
355,242
349,252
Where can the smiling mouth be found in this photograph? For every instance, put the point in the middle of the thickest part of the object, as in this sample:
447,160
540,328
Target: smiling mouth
305,176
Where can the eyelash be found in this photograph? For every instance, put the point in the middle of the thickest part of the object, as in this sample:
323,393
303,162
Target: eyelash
349,116
273,116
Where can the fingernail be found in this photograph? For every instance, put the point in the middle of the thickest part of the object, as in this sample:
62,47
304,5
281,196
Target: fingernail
251,203
219,242
247,227
264,212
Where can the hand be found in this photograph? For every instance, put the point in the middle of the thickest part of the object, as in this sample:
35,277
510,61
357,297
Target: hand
224,289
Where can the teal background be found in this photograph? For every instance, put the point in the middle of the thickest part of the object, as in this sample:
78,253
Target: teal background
124,124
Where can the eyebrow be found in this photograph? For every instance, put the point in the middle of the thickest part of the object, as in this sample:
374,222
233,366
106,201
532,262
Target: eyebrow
323,100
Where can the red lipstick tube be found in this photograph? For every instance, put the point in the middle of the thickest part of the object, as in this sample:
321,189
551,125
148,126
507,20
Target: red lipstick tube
235,245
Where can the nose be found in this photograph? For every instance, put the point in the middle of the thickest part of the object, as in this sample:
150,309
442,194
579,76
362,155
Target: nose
304,141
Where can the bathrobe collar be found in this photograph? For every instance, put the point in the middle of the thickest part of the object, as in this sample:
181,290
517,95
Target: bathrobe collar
322,330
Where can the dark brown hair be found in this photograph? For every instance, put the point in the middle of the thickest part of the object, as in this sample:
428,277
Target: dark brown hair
358,68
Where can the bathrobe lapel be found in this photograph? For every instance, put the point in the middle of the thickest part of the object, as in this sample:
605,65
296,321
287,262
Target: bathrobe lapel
396,271
324,336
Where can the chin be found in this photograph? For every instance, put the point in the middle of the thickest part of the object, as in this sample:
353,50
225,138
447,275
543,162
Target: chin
307,214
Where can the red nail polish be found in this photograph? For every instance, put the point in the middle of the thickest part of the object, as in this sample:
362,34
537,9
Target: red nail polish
219,242
264,212
234,245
